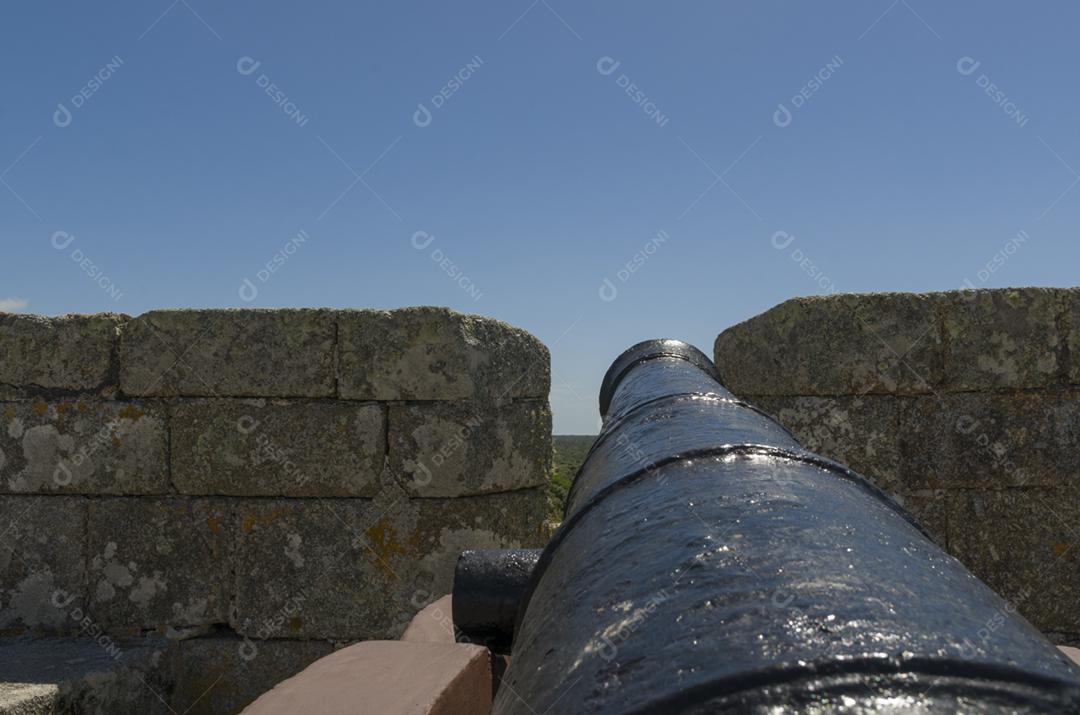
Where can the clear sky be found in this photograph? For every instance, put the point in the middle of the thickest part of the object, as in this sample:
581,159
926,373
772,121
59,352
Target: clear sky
509,158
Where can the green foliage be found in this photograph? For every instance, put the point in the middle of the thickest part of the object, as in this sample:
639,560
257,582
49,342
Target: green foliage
570,451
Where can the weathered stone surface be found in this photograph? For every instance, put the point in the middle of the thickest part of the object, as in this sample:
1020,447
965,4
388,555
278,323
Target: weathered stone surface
278,447
73,352
1070,321
42,563
83,675
445,449
216,676
1023,544
154,563
990,440
430,353
83,447
930,509
858,431
217,404
229,353
841,344
348,569
1002,338
28,698
304,570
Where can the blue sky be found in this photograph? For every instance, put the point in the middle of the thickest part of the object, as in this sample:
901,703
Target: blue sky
723,156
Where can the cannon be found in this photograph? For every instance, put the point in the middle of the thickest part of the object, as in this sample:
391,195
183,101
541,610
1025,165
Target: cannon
709,563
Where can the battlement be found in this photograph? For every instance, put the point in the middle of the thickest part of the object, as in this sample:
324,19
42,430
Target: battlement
255,487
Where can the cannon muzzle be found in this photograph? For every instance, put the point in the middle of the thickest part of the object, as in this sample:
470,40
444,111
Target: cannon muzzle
709,563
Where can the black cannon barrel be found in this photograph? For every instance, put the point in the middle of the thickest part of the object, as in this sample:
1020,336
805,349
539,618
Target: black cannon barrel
488,586
709,563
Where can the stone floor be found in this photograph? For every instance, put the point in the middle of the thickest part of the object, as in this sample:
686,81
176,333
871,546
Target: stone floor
50,675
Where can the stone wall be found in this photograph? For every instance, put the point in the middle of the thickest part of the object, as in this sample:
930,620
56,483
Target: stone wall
963,405
250,489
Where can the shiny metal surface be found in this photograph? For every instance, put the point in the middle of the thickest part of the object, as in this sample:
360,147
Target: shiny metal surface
488,587
708,563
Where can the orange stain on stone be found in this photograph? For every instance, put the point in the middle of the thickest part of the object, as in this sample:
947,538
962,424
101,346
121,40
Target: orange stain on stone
1060,549
40,407
214,523
131,412
384,545
253,520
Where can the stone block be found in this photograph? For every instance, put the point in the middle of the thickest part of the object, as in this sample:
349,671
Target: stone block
429,353
447,449
434,623
72,352
351,569
81,446
857,431
278,448
930,509
1070,322
158,563
42,564
985,440
389,678
229,353
1002,338
218,676
1023,544
842,344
